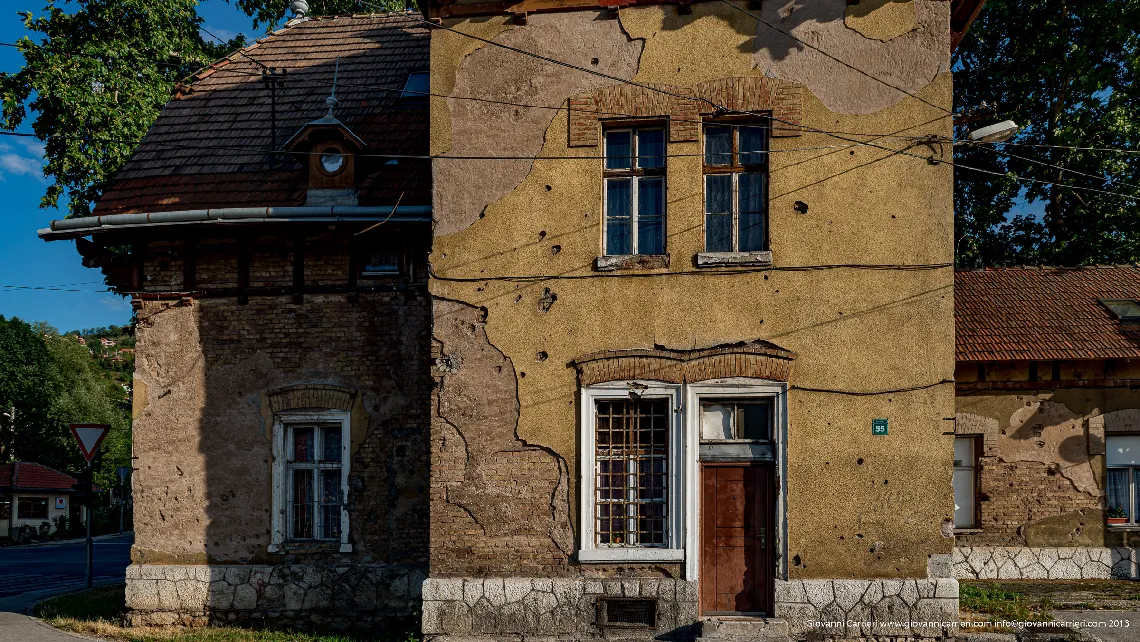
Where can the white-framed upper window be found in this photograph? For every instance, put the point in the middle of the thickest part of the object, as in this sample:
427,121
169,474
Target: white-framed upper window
1122,459
311,455
634,194
630,472
737,418
965,482
736,187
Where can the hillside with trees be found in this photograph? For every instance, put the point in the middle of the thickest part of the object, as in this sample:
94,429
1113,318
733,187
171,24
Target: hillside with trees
51,380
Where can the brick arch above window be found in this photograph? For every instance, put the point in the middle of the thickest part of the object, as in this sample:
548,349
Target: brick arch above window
758,360
311,395
752,93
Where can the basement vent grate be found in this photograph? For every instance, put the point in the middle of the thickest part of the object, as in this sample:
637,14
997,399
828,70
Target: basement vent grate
628,613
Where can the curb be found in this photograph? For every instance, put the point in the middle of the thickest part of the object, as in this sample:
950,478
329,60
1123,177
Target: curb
59,542
31,609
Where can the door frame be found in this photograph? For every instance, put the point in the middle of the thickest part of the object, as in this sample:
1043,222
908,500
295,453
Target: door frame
725,389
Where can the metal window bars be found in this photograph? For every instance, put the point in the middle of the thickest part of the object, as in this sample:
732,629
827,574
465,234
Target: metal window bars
631,464
315,497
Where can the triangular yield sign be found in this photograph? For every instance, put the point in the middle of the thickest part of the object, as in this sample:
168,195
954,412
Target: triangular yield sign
89,437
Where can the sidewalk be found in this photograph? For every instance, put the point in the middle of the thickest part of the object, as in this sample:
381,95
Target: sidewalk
16,626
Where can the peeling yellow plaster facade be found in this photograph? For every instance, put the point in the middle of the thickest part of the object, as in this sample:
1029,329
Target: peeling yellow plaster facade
854,330
881,19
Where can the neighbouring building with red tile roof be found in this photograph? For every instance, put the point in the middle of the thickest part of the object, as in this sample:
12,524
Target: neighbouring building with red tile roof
1047,447
32,495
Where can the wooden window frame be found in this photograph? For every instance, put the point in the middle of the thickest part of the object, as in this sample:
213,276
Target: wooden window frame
21,499
635,174
736,169
282,476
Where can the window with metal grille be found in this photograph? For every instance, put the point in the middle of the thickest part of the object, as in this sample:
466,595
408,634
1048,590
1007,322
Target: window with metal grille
631,463
634,191
314,471
736,187
628,613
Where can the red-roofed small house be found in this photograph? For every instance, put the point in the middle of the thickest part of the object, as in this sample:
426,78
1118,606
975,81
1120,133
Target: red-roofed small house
32,495
1047,445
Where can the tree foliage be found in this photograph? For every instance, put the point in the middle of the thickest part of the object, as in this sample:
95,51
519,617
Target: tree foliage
1067,72
52,381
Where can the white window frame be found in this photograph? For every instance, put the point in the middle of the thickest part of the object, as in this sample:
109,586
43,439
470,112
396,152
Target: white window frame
635,188
281,423
1132,466
972,467
733,388
673,550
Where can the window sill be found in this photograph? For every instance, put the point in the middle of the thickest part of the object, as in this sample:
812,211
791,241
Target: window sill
311,546
967,531
1123,527
732,259
610,263
606,555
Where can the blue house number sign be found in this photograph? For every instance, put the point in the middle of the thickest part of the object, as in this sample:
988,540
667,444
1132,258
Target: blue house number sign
878,426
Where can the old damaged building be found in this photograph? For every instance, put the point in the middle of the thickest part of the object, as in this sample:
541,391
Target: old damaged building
272,230
1047,445
693,339
659,342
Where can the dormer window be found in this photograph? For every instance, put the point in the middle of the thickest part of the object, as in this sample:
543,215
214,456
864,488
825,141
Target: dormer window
332,160
1127,311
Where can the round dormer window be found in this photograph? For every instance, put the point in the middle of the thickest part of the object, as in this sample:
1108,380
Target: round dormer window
332,161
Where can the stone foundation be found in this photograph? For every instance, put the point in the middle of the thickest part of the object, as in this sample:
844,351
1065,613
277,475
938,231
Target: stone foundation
1040,563
473,608
556,607
305,596
923,608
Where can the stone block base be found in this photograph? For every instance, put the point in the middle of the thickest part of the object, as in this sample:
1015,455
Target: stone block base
304,596
856,609
1040,563
559,608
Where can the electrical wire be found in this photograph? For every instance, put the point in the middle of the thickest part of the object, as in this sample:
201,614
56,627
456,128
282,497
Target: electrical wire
760,20
535,278
723,109
872,393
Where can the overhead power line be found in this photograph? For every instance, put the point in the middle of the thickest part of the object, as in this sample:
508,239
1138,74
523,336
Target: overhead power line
724,109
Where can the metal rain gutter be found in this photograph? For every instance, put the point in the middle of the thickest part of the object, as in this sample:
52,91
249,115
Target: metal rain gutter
69,228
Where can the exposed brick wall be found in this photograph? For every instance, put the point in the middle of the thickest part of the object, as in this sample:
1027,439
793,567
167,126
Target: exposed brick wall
212,372
1014,494
690,365
753,93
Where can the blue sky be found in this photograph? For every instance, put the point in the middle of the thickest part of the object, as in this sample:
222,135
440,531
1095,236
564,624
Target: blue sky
26,261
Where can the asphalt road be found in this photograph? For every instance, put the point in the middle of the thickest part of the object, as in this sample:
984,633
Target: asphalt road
1107,626
57,567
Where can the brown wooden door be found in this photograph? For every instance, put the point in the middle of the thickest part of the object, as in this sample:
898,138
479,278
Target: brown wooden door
737,542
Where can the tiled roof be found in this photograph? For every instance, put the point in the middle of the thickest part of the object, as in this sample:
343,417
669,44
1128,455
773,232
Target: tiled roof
1046,313
30,475
209,147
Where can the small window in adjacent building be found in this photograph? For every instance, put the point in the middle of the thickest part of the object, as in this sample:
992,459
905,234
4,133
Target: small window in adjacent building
965,482
381,261
736,187
1126,310
634,191
5,508
1122,459
631,463
32,508
748,419
417,86
314,476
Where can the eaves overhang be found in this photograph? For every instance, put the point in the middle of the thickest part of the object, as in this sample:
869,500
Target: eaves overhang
71,228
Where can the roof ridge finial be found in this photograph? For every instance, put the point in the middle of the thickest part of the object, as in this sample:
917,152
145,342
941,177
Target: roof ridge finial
331,101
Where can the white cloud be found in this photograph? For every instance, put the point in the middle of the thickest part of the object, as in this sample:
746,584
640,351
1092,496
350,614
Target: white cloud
113,302
17,165
225,34
34,146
